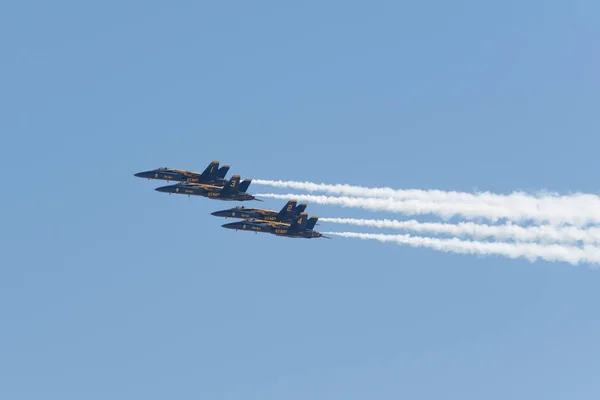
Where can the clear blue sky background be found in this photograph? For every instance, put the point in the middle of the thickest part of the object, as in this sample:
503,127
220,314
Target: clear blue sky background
109,289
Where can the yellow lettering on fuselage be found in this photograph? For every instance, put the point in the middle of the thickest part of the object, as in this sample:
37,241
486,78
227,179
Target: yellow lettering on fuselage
214,194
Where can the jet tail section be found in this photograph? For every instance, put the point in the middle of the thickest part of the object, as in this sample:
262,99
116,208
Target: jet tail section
300,223
300,208
287,210
232,185
244,185
221,172
311,223
211,171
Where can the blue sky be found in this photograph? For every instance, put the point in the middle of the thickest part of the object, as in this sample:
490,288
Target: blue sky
110,289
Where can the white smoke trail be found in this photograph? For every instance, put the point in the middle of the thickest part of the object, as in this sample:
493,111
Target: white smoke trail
577,209
544,234
450,209
530,251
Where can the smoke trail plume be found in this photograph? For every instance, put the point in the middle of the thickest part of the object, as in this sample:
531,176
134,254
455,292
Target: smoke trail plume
544,234
577,209
451,209
530,251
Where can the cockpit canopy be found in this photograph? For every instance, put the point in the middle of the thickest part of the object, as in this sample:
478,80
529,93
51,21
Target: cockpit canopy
240,207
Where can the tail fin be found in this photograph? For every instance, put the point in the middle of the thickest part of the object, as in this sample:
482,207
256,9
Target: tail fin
300,223
211,170
232,185
244,185
300,208
311,223
221,172
287,210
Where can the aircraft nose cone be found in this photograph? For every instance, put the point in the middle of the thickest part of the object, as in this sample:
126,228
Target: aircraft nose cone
232,225
163,189
138,175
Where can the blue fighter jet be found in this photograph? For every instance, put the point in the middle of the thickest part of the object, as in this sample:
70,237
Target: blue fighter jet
289,212
232,191
302,227
212,175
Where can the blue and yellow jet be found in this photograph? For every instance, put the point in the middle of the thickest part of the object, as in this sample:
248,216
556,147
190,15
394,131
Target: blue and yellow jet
232,191
288,213
299,228
212,175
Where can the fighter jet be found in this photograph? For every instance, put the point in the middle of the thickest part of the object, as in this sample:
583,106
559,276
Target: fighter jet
288,213
232,191
212,175
302,227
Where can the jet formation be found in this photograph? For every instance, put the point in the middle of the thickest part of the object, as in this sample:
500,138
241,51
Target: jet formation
291,221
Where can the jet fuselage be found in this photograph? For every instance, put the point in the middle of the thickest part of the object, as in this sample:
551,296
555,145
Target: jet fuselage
209,191
168,174
247,213
274,228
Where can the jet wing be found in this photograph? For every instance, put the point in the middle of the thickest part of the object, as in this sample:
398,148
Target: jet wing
203,186
272,224
186,172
